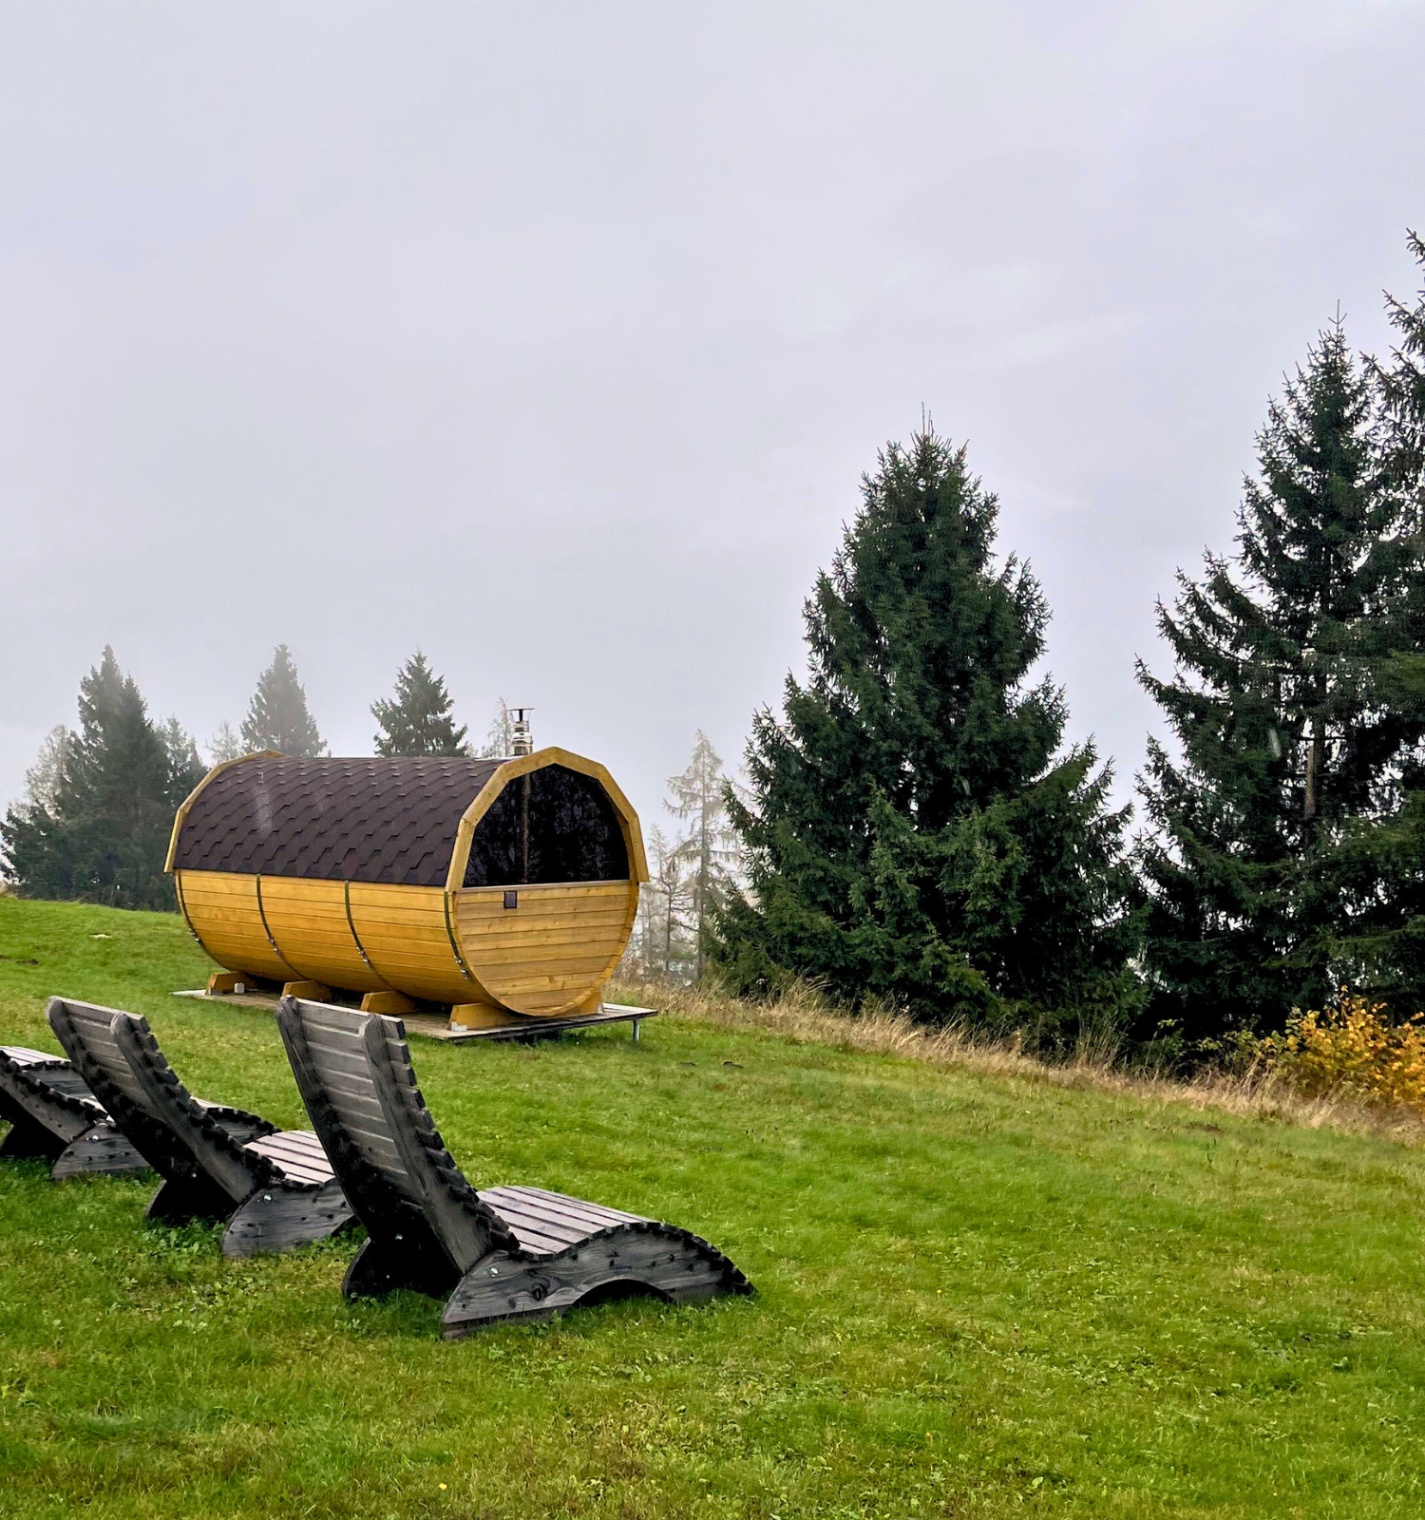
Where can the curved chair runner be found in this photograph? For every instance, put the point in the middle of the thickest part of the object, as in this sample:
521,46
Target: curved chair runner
502,1253
275,1187
54,1117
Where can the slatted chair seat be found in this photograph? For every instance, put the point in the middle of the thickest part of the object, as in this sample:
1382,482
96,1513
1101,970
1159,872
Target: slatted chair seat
501,1253
275,1188
54,1117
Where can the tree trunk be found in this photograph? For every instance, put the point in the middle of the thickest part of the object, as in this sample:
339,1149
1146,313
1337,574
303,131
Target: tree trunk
1315,756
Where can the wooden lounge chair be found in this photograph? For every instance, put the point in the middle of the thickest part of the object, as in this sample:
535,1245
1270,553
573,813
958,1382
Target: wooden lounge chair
54,1117
275,1187
502,1253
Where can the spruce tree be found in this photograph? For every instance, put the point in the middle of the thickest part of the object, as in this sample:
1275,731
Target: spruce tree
1380,941
101,832
1286,738
278,717
910,832
185,765
418,720
1403,389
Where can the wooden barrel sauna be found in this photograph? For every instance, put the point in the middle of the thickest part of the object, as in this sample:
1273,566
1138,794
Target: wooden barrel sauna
508,886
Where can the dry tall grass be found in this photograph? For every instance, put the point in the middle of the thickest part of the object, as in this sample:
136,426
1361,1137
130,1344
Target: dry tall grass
804,1017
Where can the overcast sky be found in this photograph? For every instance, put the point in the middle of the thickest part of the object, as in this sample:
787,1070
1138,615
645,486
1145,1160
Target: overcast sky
555,339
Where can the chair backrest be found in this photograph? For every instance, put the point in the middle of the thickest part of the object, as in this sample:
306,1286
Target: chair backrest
46,1090
119,1058
355,1076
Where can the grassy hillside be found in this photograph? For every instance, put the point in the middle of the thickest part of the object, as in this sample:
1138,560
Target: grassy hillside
978,1295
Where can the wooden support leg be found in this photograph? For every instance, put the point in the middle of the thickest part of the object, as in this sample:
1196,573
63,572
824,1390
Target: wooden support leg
394,1004
224,983
280,1219
312,992
664,1264
483,1016
102,1150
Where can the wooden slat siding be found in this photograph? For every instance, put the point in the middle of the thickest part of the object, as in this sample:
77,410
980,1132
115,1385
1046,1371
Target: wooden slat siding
403,932
222,911
553,893
309,921
552,952
356,938
570,927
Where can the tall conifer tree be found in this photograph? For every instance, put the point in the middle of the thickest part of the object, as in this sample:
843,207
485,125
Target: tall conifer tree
418,721
1403,389
99,831
909,833
185,765
278,717
1380,940
1287,737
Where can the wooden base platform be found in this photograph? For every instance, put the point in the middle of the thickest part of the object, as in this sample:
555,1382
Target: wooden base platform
432,1026
435,1028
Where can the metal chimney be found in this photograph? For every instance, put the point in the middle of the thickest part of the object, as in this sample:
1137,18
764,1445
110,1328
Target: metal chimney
521,741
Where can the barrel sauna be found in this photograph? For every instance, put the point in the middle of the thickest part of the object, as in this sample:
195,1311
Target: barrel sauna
500,887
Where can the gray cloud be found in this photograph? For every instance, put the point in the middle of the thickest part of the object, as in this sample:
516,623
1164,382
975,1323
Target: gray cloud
555,342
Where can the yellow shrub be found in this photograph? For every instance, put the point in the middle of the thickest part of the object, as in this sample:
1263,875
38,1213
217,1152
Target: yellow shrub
1353,1047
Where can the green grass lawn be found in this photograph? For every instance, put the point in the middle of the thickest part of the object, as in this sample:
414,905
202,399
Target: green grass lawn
977,1296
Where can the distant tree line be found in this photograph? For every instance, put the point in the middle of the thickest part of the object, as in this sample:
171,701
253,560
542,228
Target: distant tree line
913,828
97,812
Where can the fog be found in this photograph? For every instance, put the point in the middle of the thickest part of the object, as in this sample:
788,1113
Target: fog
554,341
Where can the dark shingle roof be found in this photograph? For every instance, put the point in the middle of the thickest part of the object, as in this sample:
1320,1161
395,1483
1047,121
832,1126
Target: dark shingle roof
359,820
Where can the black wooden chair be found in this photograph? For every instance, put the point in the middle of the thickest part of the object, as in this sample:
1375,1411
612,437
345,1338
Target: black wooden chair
502,1253
275,1187
54,1117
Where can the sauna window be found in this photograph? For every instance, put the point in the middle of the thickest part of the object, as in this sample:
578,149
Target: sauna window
552,825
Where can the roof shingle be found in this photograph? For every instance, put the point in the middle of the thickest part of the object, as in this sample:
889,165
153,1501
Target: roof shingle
380,820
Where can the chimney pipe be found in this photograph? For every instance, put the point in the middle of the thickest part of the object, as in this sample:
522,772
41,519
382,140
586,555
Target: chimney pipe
521,741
